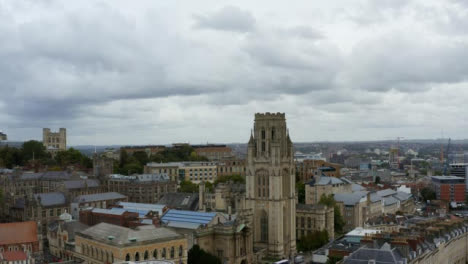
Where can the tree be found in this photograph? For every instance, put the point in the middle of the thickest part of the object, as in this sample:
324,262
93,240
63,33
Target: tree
428,194
333,259
313,240
377,180
196,255
188,187
73,157
300,187
33,149
141,157
329,201
235,178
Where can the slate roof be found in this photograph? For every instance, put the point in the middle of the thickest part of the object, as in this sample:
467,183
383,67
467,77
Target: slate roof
122,236
374,197
386,192
72,227
357,188
182,201
51,199
142,208
18,233
77,184
350,198
324,180
48,175
402,196
384,255
187,219
99,197
389,200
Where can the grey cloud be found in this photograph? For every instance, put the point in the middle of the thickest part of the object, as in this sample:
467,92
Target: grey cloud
229,18
406,64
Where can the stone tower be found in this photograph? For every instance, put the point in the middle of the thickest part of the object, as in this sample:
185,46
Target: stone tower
54,141
270,183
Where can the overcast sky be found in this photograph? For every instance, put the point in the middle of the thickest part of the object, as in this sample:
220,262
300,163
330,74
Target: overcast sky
156,72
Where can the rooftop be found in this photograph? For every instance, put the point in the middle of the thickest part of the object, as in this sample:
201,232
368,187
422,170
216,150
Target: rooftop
14,256
51,199
77,184
99,197
18,233
122,236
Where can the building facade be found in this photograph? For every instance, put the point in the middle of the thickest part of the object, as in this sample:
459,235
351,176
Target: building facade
270,185
106,243
214,152
449,188
310,218
308,169
143,188
54,141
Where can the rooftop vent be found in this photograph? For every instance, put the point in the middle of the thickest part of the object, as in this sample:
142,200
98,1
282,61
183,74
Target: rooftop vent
110,237
132,239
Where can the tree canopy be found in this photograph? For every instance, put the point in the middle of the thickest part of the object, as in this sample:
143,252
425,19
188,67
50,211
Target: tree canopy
313,240
329,201
428,194
196,255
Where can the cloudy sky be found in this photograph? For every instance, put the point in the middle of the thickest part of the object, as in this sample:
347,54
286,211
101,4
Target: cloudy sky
155,72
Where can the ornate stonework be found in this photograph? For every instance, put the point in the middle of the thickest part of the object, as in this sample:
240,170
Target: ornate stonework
270,184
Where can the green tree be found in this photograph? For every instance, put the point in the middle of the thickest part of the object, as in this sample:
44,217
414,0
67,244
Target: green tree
33,148
196,255
428,194
313,240
10,157
300,187
329,201
188,187
333,259
141,156
377,180
235,178
73,157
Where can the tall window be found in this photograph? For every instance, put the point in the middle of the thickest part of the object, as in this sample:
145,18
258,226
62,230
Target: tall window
273,133
127,257
264,227
181,251
137,256
146,255
163,253
172,252
155,254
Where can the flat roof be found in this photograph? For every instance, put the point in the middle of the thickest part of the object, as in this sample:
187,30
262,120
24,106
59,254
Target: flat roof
448,178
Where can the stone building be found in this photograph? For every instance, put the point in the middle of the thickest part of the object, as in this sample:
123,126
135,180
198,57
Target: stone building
324,185
148,149
61,236
231,167
143,188
270,186
41,208
3,136
54,141
106,243
102,166
311,218
226,197
225,236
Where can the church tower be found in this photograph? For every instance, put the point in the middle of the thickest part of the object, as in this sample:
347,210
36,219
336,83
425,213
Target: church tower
270,183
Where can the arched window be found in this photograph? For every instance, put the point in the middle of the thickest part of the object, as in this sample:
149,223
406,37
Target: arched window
264,227
273,133
163,253
112,257
172,252
145,257
155,254
127,257
181,251
92,252
137,256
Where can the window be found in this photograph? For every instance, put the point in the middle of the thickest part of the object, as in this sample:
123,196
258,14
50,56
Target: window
263,146
264,227
145,257
137,256
58,212
127,257
163,253
263,134
172,252
273,133
181,251
155,254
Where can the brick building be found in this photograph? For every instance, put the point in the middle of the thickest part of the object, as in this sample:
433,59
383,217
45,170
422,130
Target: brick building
449,188
19,236
214,152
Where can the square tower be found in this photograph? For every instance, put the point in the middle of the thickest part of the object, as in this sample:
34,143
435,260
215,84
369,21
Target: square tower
54,141
270,184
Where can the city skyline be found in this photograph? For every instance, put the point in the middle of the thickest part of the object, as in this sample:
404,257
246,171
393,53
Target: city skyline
155,73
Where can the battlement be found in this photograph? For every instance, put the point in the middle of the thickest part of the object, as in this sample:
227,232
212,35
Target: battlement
269,115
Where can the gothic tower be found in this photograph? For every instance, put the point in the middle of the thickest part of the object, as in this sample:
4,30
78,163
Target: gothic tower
270,183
